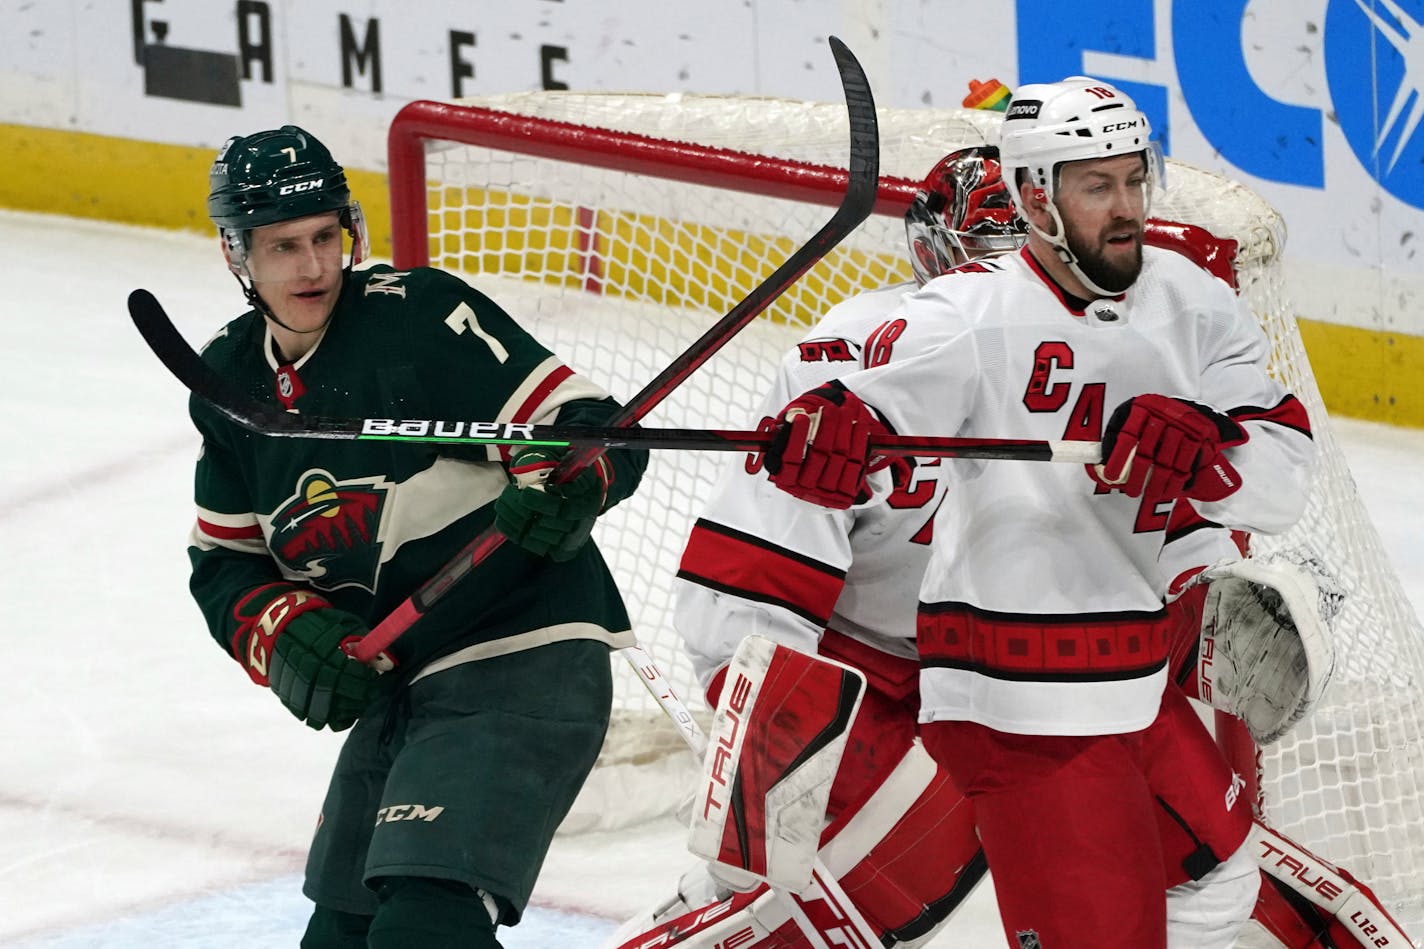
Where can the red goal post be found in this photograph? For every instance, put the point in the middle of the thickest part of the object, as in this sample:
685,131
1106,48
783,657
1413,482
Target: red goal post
617,227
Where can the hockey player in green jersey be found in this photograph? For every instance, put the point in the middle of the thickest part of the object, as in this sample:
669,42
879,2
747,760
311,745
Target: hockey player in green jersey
462,760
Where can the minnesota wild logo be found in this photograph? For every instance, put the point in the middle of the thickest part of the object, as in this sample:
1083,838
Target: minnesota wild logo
329,531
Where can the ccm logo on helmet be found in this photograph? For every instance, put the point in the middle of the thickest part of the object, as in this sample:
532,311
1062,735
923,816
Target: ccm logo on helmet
300,186
1119,126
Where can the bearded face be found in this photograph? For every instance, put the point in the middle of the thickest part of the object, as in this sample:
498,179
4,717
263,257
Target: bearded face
1111,256
1102,206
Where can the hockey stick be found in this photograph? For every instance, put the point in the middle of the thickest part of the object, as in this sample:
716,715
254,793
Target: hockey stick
850,929
862,186
264,420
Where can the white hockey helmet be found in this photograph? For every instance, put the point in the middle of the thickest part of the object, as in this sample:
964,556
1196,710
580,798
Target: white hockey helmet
1077,119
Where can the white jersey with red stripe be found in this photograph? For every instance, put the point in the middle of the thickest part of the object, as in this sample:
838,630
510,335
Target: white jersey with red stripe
1041,610
760,561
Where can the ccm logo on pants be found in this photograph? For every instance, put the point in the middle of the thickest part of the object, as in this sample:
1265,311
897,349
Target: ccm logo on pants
396,812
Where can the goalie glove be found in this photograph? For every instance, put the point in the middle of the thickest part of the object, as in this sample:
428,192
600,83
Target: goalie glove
1266,653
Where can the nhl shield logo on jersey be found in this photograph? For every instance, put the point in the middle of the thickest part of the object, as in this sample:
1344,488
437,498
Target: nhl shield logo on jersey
1104,311
290,387
328,532
1028,939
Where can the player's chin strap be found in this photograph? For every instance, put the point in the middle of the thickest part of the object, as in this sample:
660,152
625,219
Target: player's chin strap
1266,653
254,300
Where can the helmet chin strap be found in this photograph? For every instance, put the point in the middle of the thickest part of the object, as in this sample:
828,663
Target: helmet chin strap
1059,243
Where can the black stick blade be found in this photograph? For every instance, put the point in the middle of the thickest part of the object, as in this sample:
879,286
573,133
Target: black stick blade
188,367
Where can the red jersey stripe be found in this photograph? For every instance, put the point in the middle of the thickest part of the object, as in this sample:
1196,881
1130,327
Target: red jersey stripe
725,559
1289,413
535,399
1043,647
541,392
218,532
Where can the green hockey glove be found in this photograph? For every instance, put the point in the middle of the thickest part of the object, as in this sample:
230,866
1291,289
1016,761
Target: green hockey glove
550,520
289,639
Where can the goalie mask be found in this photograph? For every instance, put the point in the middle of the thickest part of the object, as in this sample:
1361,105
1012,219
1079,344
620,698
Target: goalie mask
962,211
274,176
1078,119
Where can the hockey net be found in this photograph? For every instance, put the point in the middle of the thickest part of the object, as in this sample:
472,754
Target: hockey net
618,228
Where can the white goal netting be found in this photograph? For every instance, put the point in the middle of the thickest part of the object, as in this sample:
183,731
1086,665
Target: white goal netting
619,269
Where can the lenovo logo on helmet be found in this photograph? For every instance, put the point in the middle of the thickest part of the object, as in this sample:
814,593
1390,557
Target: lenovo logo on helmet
300,186
1023,110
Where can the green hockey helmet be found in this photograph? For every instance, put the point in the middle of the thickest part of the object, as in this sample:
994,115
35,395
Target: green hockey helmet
274,176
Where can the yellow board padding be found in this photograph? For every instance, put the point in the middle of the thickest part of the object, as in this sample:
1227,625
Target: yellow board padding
78,174
1366,373
1361,373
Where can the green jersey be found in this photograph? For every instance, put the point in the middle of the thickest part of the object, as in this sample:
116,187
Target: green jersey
367,522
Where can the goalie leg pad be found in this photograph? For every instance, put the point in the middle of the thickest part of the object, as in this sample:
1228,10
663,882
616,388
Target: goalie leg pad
901,839
906,886
762,814
740,919
759,919
1304,894
909,855
902,844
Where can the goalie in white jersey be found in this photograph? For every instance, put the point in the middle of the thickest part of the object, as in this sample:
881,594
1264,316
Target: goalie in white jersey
1042,629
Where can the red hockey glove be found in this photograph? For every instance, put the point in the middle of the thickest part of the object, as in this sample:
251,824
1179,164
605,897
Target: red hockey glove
820,447
1163,448
289,639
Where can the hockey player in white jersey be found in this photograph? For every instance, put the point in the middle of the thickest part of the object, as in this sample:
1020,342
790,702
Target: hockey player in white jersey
843,584
1042,629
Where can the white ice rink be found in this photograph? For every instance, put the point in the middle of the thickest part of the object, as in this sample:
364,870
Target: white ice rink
149,794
